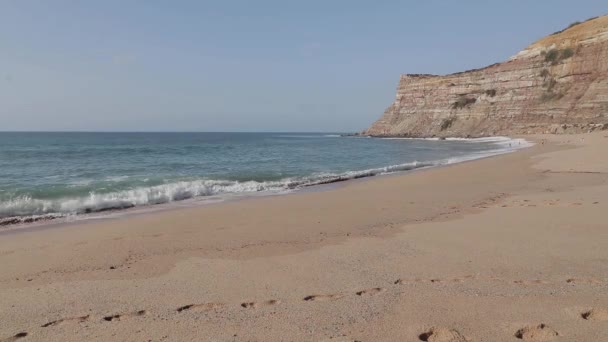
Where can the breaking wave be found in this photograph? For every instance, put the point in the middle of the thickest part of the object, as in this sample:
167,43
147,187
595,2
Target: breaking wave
26,209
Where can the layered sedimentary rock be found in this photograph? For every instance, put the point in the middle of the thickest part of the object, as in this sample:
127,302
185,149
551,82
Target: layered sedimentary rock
558,84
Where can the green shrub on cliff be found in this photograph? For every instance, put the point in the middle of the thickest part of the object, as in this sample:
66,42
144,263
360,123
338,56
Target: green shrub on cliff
549,84
491,92
462,102
554,56
447,123
544,73
566,53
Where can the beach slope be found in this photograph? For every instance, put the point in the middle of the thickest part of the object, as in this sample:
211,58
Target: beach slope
508,248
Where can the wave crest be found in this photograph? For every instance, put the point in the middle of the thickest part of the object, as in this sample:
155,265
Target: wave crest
25,209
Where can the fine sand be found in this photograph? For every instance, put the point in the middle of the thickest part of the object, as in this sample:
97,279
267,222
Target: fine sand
509,248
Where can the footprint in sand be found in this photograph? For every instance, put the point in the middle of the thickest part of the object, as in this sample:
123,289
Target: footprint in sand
255,305
526,282
402,281
463,279
250,305
442,335
582,281
595,315
536,333
433,280
323,298
416,280
343,338
15,337
79,319
204,307
118,317
371,292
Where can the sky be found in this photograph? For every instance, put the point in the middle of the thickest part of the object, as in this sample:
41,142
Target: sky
305,66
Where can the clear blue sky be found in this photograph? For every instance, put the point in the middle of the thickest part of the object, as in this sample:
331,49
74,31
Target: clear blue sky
315,65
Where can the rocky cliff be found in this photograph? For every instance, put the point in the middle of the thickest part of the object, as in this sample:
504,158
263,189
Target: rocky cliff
558,84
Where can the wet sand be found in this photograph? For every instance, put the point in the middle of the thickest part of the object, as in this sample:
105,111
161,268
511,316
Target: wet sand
508,248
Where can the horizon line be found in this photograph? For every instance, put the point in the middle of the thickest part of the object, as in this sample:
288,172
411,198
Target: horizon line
91,131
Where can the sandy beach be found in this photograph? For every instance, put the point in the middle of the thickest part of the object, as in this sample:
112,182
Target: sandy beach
508,248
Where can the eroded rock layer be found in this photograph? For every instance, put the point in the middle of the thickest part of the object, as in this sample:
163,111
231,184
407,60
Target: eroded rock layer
558,84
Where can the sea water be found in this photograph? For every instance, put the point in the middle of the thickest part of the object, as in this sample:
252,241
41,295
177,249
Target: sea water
49,175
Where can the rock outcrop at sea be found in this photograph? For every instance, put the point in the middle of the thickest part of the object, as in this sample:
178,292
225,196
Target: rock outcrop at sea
559,84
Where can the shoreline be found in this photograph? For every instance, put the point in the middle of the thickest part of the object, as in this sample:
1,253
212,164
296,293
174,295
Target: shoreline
21,223
481,249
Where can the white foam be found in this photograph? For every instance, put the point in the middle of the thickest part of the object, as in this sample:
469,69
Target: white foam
504,143
26,208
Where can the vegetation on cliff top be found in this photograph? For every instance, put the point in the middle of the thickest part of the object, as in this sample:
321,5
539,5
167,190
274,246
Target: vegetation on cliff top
576,23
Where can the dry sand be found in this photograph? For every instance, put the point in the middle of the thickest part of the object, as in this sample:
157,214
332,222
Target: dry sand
508,248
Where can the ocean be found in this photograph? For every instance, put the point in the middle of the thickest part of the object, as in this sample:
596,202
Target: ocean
74,175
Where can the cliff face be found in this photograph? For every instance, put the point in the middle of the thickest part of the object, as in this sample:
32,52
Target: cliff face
558,84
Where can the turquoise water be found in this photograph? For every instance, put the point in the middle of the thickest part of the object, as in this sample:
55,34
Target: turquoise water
61,174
